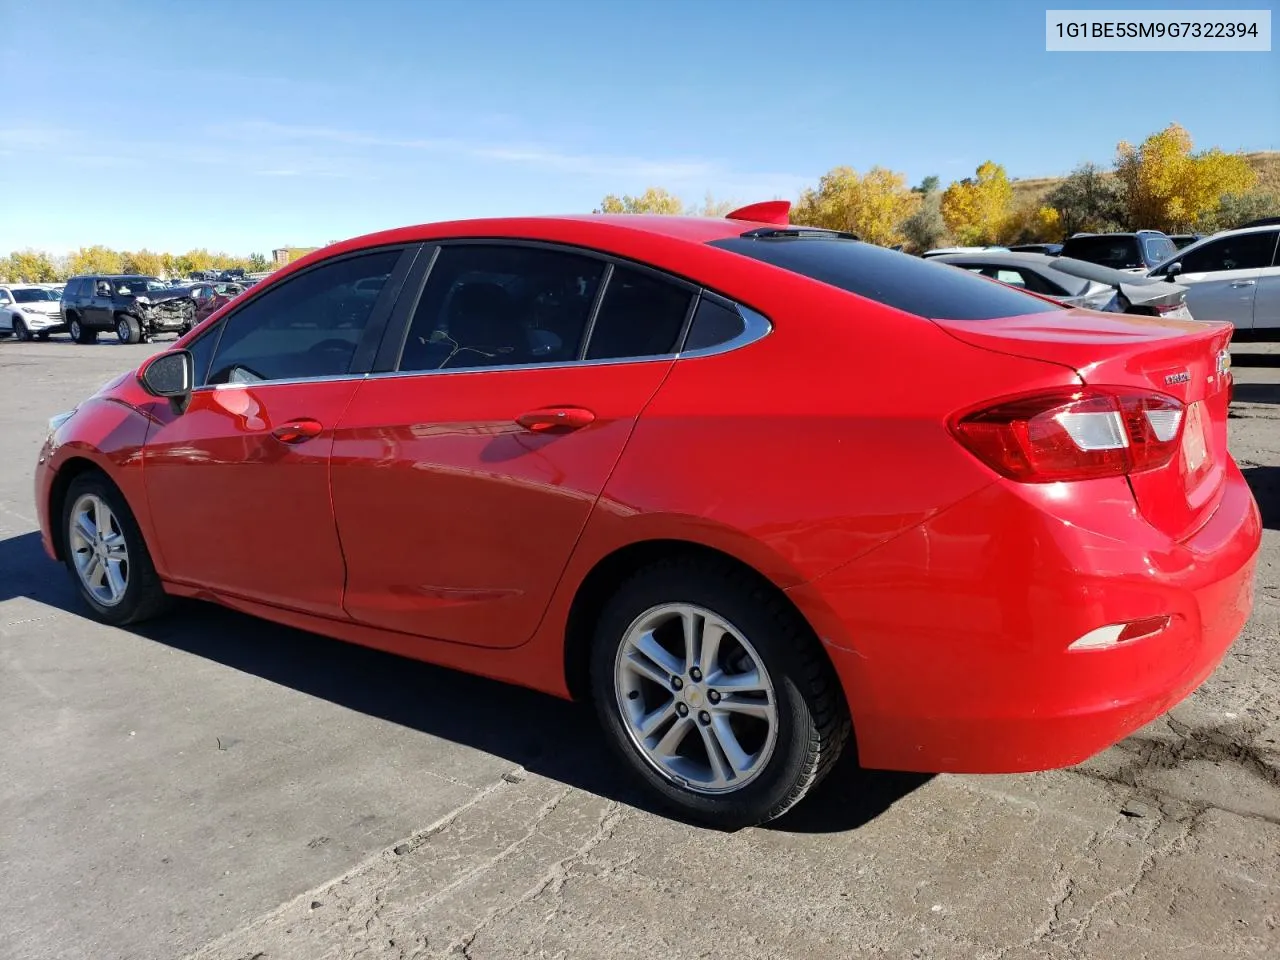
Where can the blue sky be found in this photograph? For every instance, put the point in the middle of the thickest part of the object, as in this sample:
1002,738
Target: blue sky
242,125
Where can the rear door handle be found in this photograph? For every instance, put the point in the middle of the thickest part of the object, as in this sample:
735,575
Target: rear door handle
1243,283
297,431
550,419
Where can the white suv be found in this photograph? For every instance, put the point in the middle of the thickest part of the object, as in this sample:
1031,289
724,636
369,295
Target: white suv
1233,275
29,310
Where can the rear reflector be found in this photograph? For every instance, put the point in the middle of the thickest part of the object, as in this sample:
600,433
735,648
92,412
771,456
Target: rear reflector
1117,633
1073,435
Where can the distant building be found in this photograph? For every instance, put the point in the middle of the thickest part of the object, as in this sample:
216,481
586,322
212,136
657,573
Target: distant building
285,255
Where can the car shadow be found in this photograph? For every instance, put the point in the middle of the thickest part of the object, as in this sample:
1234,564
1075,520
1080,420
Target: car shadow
1255,392
1265,484
547,736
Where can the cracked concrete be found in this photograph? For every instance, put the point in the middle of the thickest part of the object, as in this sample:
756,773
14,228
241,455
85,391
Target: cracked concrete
220,789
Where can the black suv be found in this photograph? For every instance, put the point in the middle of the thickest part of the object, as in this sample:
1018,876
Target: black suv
136,308
1135,252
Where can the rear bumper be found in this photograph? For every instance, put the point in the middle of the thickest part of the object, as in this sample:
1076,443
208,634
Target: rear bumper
951,642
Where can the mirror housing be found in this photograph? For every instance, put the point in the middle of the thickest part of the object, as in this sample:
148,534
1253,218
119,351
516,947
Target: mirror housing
1173,269
170,375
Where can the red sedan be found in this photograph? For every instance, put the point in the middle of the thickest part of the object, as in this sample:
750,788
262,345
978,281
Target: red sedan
749,488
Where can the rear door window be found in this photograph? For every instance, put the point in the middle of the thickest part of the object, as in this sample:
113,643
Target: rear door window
641,316
911,284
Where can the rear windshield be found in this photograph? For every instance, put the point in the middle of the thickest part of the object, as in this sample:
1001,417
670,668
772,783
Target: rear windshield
1117,252
911,284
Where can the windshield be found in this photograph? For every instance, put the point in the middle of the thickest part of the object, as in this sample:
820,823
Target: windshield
138,285
36,295
925,288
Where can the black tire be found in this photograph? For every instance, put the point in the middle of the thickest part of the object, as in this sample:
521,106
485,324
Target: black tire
20,331
812,718
80,333
144,597
128,329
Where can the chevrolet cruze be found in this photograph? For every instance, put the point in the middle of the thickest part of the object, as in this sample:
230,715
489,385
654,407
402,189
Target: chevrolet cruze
751,489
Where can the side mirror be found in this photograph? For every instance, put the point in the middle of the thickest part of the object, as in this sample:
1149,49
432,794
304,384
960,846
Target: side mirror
1173,269
170,375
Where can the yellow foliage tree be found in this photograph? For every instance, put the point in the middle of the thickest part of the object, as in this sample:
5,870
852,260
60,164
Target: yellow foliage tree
872,206
144,262
653,200
976,209
29,266
1167,187
1033,224
95,259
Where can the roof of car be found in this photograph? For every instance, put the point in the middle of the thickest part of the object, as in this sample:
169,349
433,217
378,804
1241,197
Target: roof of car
1008,257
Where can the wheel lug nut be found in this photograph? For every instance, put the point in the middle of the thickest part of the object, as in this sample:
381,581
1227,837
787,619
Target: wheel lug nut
676,683
695,674
682,709
713,696
704,717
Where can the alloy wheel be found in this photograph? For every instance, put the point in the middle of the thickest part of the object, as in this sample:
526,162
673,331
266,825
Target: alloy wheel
695,698
98,550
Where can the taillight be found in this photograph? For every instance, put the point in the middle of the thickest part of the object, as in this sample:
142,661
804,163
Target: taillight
1163,308
1073,435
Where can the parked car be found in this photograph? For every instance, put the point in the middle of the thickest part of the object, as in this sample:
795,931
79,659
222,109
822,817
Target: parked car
1181,240
1235,276
135,307
1261,222
942,251
1079,283
1135,252
213,296
28,310
1049,249
972,528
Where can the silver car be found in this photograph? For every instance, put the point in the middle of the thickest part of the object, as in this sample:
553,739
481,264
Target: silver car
1233,275
1078,283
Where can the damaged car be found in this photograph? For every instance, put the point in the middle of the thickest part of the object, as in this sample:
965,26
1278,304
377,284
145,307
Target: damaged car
137,308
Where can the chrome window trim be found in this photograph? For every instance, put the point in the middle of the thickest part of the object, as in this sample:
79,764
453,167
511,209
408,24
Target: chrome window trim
756,327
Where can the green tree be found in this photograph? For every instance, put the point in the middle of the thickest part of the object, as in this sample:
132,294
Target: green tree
871,206
976,209
1167,187
29,266
925,229
1090,200
258,263
653,200
95,259
711,207
1235,209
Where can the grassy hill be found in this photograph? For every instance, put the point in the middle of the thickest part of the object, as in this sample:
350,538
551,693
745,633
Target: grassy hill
1266,163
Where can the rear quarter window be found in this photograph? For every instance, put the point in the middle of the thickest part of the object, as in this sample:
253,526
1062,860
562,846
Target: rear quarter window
922,287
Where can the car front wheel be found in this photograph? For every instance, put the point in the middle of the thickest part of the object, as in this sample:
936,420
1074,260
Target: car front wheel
128,329
106,555
715,693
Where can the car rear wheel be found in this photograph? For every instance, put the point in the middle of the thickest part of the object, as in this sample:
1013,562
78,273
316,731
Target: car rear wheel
20,331
128,329
79,334
715,693
106,555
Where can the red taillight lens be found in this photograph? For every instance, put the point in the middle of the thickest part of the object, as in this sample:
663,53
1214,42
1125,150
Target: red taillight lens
1076,435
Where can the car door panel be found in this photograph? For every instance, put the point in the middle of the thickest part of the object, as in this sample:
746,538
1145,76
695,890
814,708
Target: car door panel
455,520
236,508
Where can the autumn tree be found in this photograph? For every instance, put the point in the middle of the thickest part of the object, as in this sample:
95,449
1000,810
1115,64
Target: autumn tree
29,266
1032,224
1167,187
871,206
711,207
1089,199
925,229
653,200
144,262
95,259
257,263
977,208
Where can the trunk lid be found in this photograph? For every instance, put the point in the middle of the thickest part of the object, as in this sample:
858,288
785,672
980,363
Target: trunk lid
1187,360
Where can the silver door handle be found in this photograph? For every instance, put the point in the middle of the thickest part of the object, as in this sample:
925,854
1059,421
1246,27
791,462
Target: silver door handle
1243,283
